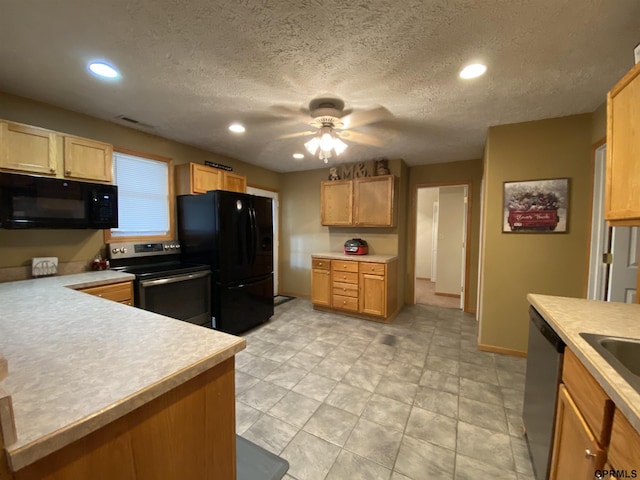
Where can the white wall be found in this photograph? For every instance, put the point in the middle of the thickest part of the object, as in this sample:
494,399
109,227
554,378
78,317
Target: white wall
424,227
450,234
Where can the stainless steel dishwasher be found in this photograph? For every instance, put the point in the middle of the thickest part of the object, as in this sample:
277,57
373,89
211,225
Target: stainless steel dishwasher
544,372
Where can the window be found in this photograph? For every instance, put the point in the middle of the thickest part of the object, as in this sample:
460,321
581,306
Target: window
145,203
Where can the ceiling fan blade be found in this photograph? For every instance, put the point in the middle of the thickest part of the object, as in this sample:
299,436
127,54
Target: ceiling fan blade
298,134
301,114
359,118
363,138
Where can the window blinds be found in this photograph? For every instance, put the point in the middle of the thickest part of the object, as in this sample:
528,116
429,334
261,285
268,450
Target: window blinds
143,196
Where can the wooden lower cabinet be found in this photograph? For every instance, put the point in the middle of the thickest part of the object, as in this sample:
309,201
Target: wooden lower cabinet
118,292
366,289
321,282
624,449
577,454
186,433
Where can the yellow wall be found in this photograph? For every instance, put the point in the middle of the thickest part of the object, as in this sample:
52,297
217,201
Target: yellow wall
516,264
18,247
302,234
469,171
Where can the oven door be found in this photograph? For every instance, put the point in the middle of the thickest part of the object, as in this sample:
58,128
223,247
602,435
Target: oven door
185,297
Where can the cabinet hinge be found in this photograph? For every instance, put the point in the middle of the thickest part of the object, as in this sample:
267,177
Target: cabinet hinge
607,258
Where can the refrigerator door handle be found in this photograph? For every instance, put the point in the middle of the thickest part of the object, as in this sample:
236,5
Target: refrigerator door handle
254,231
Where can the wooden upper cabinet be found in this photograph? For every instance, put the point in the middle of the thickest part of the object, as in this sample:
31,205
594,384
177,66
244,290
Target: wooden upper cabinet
234,182
363,202
86,159
337,203
29,149
193,178
373,201
623,150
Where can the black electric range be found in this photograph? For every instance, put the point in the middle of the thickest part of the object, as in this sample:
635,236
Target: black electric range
163,283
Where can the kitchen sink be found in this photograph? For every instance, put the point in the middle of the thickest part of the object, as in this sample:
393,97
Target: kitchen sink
623,354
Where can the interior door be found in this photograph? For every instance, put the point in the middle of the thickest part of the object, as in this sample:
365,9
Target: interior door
624,266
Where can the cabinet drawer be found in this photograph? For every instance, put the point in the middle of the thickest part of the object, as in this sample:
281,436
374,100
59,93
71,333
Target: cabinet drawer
346,289
345,303
372,268
320,263
590,398
624,450
118,292
344,266
345,277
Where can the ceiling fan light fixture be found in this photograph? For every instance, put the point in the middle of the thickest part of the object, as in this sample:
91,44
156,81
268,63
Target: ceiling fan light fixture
312,145
339,146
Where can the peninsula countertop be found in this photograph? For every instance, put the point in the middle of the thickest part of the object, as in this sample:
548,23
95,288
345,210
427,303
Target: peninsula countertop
78,362
376,258
571,316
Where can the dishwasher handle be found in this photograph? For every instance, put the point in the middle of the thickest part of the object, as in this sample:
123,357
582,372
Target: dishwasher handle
546,330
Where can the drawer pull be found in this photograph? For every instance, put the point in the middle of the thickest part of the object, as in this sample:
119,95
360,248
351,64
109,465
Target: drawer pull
344,289
345,277
344,302
320,263
588,455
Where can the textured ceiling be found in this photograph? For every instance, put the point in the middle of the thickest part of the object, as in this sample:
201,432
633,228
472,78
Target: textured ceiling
191,67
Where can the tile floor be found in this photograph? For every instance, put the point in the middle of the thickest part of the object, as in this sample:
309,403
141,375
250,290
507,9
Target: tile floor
343,398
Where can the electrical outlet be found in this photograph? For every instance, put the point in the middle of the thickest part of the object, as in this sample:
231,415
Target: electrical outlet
41,266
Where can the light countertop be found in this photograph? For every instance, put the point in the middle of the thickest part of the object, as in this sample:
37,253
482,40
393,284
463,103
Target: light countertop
77,362
357,258
571,316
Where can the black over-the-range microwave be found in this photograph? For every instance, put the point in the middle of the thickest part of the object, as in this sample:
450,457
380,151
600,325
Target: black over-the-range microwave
29,201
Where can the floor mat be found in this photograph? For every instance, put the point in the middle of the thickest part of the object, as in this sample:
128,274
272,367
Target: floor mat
255,463
280,299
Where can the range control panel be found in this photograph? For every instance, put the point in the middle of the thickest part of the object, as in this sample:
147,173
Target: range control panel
131,250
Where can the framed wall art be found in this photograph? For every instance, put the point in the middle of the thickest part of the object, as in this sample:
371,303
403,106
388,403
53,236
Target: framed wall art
536,206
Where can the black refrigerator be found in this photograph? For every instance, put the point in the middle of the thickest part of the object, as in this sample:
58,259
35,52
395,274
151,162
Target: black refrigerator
233,233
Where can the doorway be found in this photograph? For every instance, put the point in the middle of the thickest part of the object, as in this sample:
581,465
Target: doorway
275,196
440,245
613,259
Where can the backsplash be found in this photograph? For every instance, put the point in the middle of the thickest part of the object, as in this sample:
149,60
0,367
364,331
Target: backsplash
14,274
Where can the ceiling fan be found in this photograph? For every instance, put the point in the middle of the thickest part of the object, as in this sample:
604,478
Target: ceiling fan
333,124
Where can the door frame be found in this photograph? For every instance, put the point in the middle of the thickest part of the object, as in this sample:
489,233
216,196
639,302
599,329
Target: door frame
414,227
277,232
599,237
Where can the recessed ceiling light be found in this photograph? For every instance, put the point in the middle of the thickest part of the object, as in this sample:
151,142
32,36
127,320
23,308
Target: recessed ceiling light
473,70
236,128
103,70
298,156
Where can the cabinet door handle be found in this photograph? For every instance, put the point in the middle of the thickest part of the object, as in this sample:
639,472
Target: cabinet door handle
52,170
68,172
588,454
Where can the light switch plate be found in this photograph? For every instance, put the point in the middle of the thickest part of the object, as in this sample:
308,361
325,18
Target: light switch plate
41,266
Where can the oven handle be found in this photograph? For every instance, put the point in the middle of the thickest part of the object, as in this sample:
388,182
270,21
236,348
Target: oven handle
179,278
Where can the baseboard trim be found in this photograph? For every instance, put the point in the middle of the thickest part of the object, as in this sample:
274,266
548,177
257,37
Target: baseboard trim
451,295
292,294
502,350
428,279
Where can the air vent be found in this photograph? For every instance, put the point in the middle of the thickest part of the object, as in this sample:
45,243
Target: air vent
133,121
127,119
